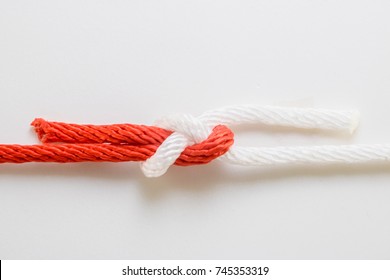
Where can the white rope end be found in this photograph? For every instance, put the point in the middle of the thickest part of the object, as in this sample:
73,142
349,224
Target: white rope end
355,119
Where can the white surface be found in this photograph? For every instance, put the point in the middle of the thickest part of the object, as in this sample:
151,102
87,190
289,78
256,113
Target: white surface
136,61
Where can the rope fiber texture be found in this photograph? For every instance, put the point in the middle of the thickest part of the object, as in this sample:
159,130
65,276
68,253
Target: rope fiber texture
183,140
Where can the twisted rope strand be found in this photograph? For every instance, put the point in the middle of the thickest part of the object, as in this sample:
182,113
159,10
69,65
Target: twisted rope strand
307,155
306,118
132,134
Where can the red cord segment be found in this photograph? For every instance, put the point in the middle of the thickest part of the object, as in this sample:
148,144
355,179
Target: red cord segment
218,143
133,134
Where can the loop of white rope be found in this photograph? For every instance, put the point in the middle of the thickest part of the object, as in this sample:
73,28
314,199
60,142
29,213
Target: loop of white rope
189,130
308,118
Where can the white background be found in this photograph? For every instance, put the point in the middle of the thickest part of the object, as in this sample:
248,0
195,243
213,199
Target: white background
135,61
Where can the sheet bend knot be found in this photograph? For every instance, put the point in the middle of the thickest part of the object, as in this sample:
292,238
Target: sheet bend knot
188,131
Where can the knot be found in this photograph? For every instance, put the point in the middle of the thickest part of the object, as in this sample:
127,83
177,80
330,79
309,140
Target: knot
192,142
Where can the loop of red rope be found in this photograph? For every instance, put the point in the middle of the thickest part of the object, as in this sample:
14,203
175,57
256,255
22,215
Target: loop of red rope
111,143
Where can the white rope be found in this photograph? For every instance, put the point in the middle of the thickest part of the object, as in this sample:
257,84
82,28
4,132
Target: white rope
307,155
283,116
189,130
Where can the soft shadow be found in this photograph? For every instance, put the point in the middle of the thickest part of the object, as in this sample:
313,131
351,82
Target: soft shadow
192,179
103,171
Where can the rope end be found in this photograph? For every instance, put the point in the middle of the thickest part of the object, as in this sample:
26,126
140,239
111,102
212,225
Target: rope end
355,118
40,126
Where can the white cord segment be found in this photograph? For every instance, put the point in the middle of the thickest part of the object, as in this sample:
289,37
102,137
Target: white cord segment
189,130
307,118
350,154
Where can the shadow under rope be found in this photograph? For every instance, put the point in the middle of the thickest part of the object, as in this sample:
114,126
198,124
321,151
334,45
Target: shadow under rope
192,177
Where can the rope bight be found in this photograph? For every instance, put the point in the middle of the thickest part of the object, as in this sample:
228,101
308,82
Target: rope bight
187,140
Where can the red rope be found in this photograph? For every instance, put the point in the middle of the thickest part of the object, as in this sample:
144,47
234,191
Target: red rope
112,143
